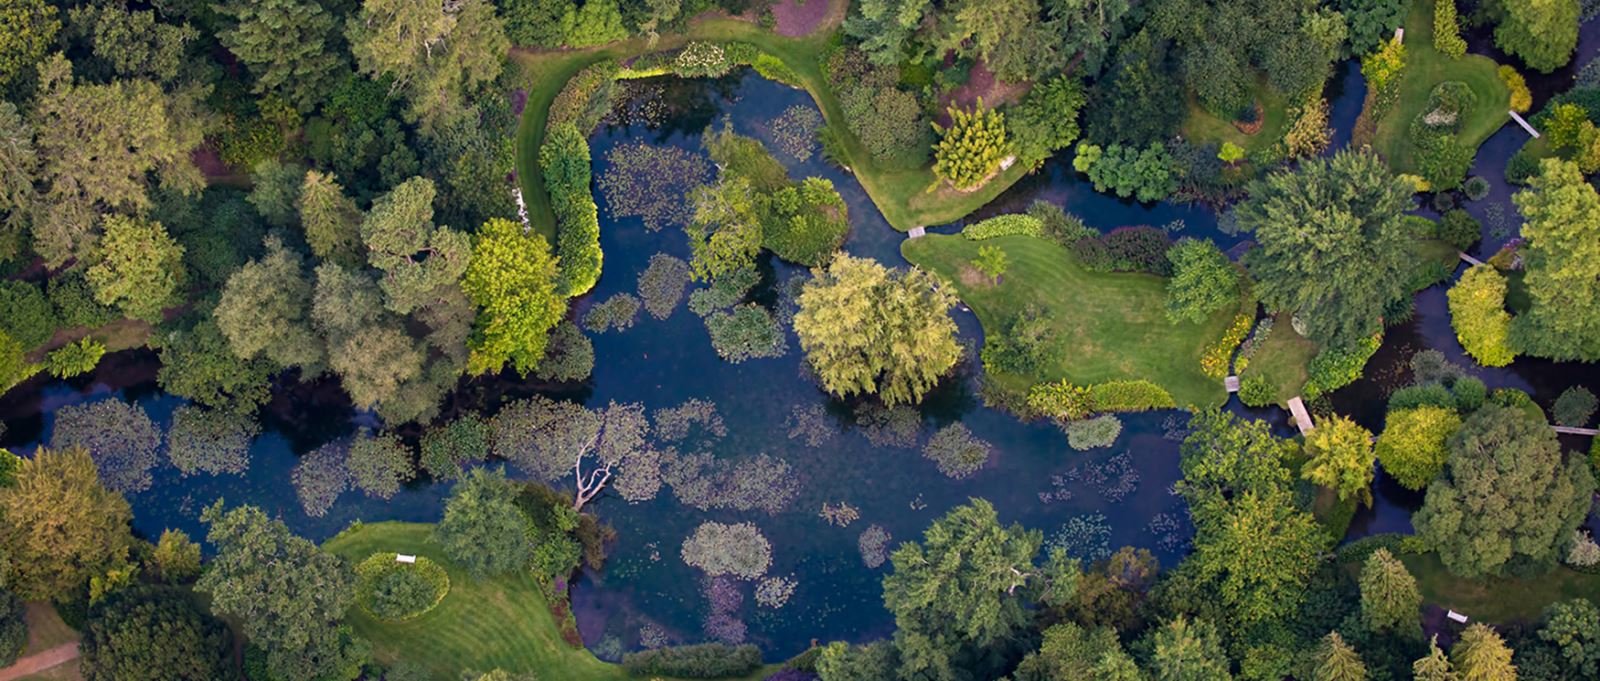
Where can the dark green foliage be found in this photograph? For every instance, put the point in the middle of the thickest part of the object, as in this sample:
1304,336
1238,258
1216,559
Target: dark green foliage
564,157
1459,229
448,448
1470,393
75,304
534,23
1257,391
703,661
482,528
396,591
1057,225
806,222
13,629
1371,22
887,119
1574,407
569,356
1334,368
1126,249
1027,346
1573,628
25,313
1142,79
219,233
197,364
1427,394
1126,170
1203,281
153,633
748,332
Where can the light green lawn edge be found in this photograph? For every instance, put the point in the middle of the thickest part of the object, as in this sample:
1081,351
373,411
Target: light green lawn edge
1202,126
1113,325
480,625
901,194
1427,67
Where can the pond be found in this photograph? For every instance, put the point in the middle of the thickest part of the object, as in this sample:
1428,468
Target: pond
1034,478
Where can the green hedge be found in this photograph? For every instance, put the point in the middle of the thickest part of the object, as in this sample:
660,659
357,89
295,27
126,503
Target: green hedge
1004,225
395,591
1333,369
564,158
703,661
571,104
1140,395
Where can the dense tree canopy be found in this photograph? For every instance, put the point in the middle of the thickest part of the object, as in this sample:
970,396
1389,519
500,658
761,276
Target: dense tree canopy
1507,496
284,43
61,526
1562,258
482,528
512,280
1542,32
153,633
1333,248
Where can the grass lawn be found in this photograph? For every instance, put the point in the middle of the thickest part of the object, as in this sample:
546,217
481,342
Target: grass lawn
1498,599
1202,126
46,630
479,626
1282,359
900,193
1113,326
1427,67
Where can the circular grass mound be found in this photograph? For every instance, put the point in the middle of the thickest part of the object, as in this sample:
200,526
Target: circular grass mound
395,591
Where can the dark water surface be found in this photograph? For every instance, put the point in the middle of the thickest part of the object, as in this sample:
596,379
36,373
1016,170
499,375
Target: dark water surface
1033,479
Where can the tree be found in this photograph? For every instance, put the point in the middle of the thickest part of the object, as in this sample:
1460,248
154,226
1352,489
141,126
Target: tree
1007,36
1414,444
348,313
512,280
725,233
867,330
18,164
1390,601
77,358
120,436
126,43
482,529
99,145
991,261
1069,652
435,51
1337,661
1340,458
885,28
958,587
1478,313
13,627
153,633
1507,496
61,526
331,220
176,558
29,29
285,45
264,311
1258,551
416,257
1574,407
1542,32
1087,28
1225,455
1046,120
288,595
1481,655
1203,281
1447,30
971,150
197,364
1562,260
1188,650
1333,248
141,268
1573,627
595,23
1434,667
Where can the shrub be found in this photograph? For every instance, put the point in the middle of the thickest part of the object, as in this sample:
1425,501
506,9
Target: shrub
1425,395
718,549
74,359
1475,188
1470,393
1574,407
1521,97
1256,391
1126,249
1413,447
176,558
1214,362
957,451
748,332
703,661
1309,134
701,59
1101,431
13,628
213,441
1383,69
1060,400
1129,171
564,158
1057,225
569,355
617,312
1009,224
971,149
1334,368
124,443
1046,120
26,314
74,303
1129,396
1477,311
572,102
806,223
1585,553
1459,229
1447,30
394,591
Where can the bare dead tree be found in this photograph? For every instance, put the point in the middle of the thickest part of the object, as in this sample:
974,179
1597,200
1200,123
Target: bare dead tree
592,486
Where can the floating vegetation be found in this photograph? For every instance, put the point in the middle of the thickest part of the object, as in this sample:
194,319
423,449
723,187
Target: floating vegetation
652,636
617,312
810,424
748,332
889,426
320,478
1086,537
702,481
1174,428
1172,532
1114,479
795,131
722,620
651,182
841,514
773,592
739,550
724,292
874,546
674,424
957,451
1499,225
661,285
1101,431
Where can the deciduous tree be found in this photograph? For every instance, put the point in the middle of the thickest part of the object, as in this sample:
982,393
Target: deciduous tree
1203,281
27,29
1340,458
1333,248
1542,32
140,268
436,51
1574,628
1478,313
416,256
264,311
61,525
285,43
1562,259
153,633
512,280
482,528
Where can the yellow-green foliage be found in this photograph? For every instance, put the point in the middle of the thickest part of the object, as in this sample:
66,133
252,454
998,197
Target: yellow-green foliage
1215,362
74,359
1446,30
972,147
1521,98
1413,447
1062,400
1477,311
